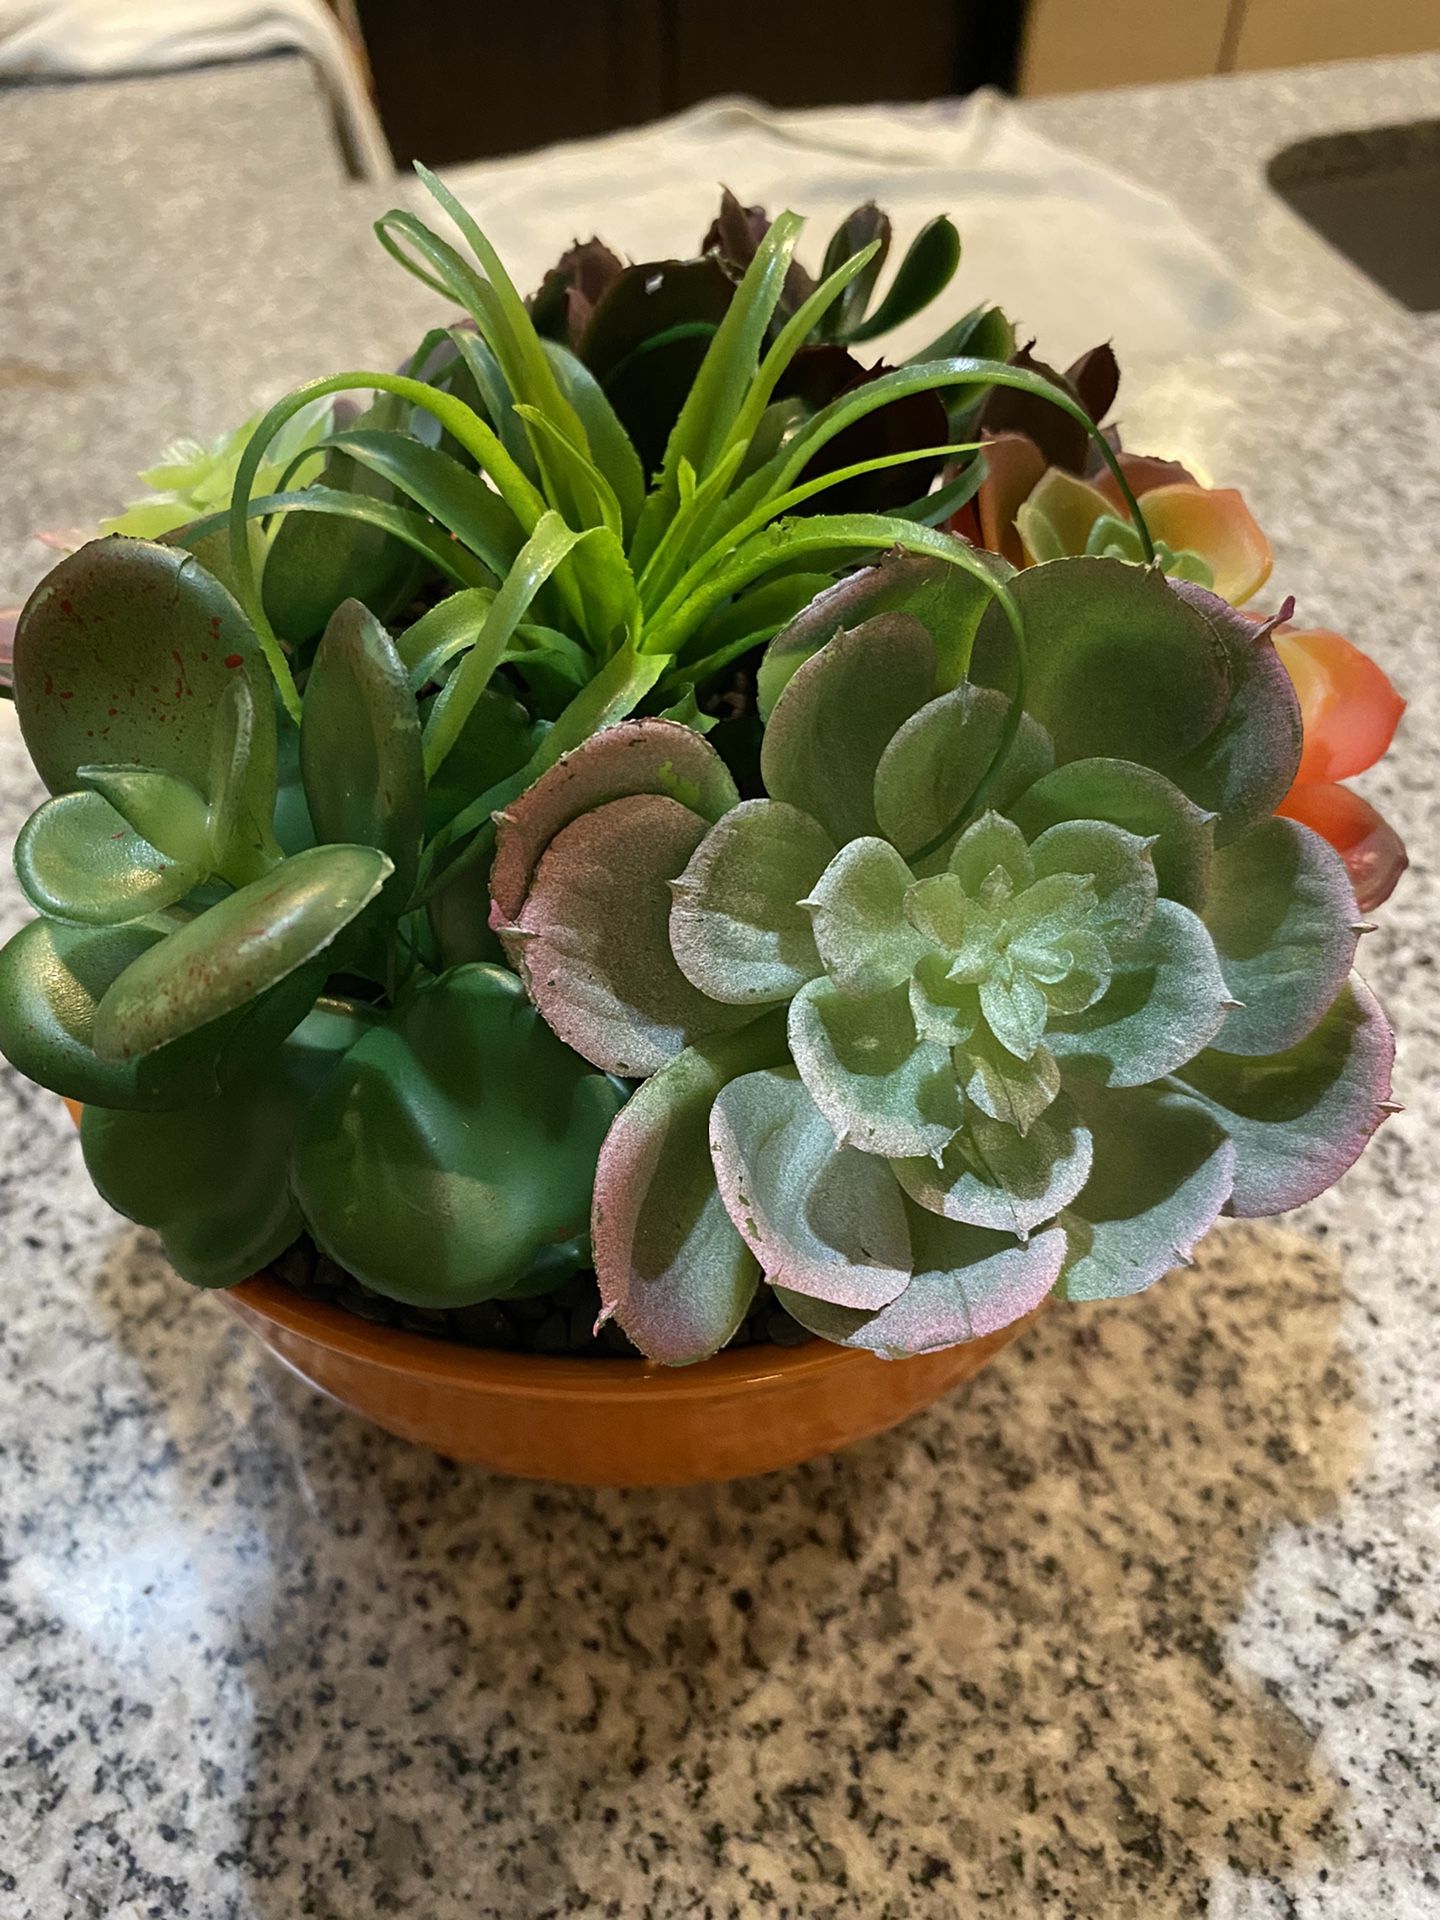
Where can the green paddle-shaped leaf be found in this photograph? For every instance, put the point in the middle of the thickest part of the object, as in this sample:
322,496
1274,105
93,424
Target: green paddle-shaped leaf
213,1178
456,1144
78,860
53,977
237,949
360,750
167,812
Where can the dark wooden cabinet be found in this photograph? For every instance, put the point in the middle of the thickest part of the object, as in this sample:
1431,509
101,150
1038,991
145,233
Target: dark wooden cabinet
462,79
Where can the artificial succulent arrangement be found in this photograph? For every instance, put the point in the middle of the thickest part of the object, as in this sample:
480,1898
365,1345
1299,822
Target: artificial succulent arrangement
654,796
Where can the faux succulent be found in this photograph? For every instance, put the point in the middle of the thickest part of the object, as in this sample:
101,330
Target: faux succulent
521,839
982,998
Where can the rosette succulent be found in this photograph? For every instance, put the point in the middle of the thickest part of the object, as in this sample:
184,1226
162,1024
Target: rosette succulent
1009,981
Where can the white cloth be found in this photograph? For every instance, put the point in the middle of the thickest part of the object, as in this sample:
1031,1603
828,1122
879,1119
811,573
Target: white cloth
90,39
1073,253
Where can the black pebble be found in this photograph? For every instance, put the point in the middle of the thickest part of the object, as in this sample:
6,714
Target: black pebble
562,1321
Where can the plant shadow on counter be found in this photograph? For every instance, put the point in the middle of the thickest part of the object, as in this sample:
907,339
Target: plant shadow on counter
983,1656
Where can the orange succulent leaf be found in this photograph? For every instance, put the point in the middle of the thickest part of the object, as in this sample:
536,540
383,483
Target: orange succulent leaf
1014,468
1215,523
1373,852
1144,473
1349,708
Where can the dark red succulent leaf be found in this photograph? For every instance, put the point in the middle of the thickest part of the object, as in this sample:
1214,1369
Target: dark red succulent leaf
571,290
646,338
733,237
736,231
1063,441
818,373
1095,379
918,420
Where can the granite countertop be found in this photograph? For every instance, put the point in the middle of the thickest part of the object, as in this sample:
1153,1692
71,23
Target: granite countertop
1142,1623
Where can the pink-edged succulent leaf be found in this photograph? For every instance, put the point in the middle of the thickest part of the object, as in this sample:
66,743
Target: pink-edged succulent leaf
1349,708
1163,1170
1280,914
637,756
738,928
1373,852
857,911
947,601
593,937
1015,1091
936,760
672,1269
823,1220
1118,864
880,1085
1299,1119
836,717
1242,770
1167,1000
967,1283
994,1176
1119,665
1137,798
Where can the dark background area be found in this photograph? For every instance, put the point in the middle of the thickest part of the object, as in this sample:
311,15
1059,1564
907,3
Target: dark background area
456,80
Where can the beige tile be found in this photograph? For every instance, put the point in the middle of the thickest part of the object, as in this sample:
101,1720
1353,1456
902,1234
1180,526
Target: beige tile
1287,33
1072,45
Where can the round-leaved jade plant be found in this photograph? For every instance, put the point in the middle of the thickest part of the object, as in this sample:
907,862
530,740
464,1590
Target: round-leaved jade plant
641,803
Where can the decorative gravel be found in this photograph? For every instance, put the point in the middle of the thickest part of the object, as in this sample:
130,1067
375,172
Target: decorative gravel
559,1322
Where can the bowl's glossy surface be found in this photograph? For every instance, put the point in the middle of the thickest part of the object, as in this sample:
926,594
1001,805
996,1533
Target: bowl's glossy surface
616,1423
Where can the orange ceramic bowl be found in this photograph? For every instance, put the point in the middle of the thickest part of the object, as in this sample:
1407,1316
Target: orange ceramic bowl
609,1423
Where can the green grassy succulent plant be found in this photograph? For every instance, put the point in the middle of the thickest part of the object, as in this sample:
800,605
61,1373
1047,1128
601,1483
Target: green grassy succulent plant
539,788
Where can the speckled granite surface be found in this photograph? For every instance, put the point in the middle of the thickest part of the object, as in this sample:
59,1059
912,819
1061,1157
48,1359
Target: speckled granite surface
1145,1623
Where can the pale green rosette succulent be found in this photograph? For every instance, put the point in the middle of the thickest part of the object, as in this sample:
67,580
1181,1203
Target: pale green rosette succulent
192,478
983,998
